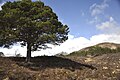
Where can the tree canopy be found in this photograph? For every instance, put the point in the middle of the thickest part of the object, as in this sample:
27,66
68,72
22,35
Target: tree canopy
33,24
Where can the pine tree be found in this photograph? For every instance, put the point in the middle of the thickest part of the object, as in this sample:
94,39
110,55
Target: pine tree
33,24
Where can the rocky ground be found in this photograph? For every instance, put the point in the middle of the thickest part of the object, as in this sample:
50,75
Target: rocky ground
104,67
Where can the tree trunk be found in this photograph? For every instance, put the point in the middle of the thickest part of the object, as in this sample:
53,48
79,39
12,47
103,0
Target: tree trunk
28,57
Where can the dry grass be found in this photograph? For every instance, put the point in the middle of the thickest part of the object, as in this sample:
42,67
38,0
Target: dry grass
105,67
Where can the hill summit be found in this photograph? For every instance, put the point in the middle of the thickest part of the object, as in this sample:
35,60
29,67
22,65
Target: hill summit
101,48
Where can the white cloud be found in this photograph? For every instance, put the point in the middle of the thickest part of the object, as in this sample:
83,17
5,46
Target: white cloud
1,5
95,20
72,44
105,38
110,26
97,9
82,13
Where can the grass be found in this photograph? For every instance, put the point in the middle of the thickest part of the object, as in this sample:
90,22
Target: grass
61,68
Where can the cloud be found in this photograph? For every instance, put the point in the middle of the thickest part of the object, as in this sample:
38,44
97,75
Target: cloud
1,5
82,13
115,38
96,19
72,44
97,9
110,26
15,49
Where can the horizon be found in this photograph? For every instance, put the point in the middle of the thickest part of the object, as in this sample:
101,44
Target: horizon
90,23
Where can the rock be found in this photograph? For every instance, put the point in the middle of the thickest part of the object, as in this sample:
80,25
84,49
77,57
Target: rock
118,70
105,67
6,78
88,60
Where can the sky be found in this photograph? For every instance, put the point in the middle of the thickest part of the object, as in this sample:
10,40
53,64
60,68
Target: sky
90,22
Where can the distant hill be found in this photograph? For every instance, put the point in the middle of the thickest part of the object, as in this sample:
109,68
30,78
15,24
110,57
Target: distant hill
103,45
101,48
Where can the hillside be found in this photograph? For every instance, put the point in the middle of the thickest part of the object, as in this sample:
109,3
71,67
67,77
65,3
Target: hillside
103,45
104,67
99,49
103,63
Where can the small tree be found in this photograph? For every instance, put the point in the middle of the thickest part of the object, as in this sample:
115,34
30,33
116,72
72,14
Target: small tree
32,24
